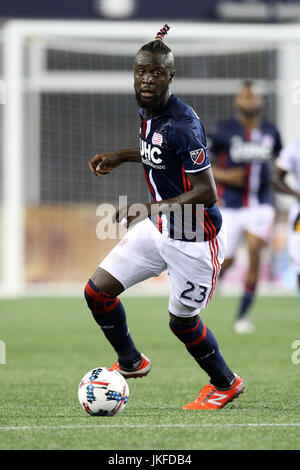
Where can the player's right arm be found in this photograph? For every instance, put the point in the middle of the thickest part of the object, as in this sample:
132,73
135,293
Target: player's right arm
104,163
230,177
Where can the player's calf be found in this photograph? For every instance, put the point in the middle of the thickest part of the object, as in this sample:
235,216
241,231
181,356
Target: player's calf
110,315
202,345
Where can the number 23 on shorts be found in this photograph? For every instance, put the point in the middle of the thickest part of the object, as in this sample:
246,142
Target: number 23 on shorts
196,294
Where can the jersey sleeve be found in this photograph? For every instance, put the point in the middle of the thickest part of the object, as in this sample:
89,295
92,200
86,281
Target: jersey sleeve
285,161
277,143
189,142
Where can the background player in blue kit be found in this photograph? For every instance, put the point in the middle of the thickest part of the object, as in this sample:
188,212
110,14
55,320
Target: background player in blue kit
243,149
177,170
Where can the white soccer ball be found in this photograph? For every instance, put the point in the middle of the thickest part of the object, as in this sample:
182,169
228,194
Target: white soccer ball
103,392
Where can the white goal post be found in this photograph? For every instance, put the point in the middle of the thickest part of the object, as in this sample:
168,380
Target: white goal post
25,72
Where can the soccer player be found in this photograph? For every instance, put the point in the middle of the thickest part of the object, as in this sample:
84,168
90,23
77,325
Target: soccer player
173,153
289,162
242,149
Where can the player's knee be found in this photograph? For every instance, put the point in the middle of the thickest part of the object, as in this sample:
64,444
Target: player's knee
98,301
190,330
178,319
177,323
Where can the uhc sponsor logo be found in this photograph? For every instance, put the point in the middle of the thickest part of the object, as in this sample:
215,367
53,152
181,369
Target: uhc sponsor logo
198,156
149,154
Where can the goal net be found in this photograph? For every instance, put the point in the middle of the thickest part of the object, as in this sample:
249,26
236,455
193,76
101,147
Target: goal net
69,94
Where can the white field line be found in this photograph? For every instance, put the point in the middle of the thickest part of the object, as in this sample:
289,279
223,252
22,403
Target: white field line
153,426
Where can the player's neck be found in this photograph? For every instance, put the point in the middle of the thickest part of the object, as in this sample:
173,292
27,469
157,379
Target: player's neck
250,122
150,113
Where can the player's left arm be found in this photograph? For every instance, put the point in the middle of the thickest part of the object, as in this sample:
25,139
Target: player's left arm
203,192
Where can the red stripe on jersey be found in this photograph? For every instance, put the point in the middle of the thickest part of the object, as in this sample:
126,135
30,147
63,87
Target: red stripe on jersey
202,222
150,186
184,179
223,164
210,223
247,185
247,173
209,234
144,127
159,219
248,134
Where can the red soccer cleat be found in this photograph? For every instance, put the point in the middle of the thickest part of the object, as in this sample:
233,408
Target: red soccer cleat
213,398
142,370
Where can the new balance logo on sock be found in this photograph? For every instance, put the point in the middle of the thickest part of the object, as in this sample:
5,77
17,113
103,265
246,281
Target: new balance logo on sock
205,357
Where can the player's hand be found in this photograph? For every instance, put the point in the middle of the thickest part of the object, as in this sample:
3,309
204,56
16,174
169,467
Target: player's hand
103,163
131,214
235,177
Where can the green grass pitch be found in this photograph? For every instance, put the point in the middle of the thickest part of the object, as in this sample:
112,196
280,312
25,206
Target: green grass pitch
52,342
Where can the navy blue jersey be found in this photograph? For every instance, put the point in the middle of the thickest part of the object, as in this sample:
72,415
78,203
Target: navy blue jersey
172,145
230,145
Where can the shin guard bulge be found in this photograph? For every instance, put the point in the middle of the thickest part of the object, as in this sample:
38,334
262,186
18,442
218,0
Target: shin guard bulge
109,313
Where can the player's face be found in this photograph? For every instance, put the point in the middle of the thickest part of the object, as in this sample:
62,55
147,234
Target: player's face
248,102
152,77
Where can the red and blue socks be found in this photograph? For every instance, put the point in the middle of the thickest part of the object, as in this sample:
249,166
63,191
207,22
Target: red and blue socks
110,315
202,345
247,299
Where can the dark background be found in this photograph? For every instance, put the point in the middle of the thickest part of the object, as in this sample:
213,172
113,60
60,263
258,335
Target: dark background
206,10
